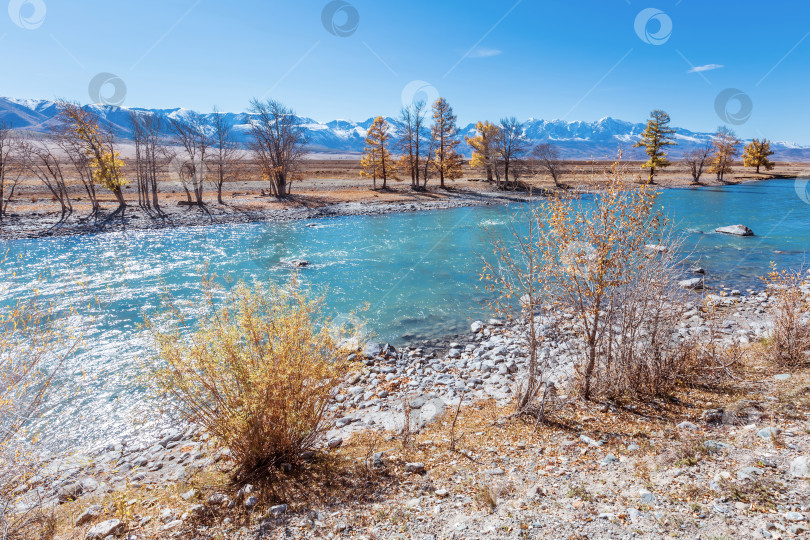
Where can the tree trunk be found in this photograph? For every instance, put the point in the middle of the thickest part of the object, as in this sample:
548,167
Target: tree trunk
281,187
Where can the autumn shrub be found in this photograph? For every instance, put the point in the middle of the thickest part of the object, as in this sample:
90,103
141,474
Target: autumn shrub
256,371
610,265
788,313
710,359
33,347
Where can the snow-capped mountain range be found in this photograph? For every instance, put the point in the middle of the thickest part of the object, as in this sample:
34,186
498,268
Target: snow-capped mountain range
576,140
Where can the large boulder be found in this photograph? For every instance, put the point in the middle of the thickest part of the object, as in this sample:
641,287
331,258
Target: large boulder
692,283
736,230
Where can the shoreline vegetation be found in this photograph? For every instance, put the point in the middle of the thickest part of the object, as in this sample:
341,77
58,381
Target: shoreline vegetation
607,401
178,170
331,188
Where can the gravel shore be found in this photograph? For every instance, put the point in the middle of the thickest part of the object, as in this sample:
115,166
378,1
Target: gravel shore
39,225
735,466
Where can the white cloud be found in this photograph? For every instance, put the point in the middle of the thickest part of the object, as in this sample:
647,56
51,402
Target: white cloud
707,67
481,52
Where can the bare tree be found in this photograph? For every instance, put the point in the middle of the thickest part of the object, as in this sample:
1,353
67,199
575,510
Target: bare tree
141,169
697,160
149,148
511,148
412,139
427,167
279,142
40,159
154,148
191,133
75,153
225,150
549,157
9,174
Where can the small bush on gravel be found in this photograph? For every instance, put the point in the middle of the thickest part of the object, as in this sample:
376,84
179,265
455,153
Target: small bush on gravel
33,347
788,311
256,372
611,264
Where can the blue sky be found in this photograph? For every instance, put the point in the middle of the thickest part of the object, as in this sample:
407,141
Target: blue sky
576,60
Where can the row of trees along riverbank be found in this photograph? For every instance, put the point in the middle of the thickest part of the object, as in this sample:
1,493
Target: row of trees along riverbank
201,150
504,152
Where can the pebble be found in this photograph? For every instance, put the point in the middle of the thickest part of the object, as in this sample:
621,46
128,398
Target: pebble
647,497
415,467
609,459
91,513
335,443
768,432
104,529
217,499
800,467
278,509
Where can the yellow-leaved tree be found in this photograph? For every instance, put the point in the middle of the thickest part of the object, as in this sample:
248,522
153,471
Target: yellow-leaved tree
756,154
447,161
590,261
654,139
377,161
726,148
105,163
484,146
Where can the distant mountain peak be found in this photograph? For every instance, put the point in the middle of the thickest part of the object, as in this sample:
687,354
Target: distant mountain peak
575,139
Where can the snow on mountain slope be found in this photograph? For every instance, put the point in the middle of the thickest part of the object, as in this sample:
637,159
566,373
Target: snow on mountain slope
576,140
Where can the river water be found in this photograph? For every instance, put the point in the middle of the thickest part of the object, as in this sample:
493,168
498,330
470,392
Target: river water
416,272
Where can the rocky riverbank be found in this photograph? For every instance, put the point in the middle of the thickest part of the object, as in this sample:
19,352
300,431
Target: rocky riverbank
706,465
47,224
